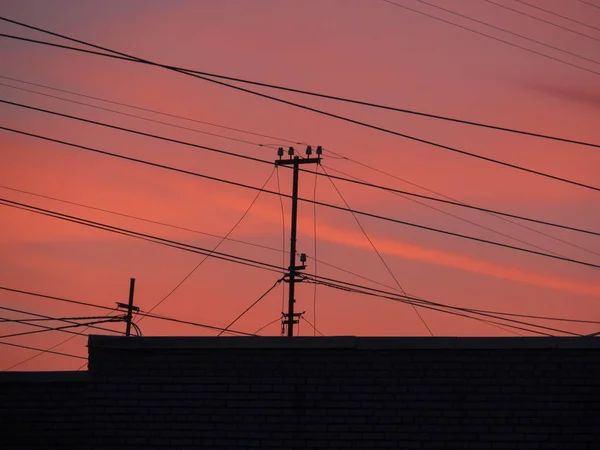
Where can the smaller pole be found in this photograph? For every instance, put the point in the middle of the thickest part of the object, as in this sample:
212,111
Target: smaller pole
130,307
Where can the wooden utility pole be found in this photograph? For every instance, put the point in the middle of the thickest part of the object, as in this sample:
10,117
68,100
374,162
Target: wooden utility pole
291,318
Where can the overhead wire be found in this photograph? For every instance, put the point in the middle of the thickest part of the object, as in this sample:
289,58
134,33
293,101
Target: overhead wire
539,19
49,318
436,306
252,305
433,308
471,222
417,301
153,111
363,213
349,180
195,324
147,119
512,33
154,316
145,237
454,202
372,244
296,91
267,325
141,219
589,4
197,266
265,247
324,113
381,187
51,297
12,344
46,329
489,36
44,351
558,15
139,133
311,325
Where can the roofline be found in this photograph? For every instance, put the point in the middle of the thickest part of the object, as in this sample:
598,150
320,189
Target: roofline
340,342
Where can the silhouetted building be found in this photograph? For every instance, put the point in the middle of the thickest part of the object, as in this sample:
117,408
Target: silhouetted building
298,393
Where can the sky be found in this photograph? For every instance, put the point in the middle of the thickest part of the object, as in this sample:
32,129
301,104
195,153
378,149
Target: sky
363,49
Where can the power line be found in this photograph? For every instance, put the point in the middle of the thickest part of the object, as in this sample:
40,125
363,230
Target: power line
141,219
153,111
136,116
250,307
311,325
431,207
494,38
364,232
375,127
558,15
345,119
44,317
293,90
140,133
267,325
265,247
153,316
41,350
433,308
493,323
531,16
196,231
196,324
231,230
385,294
145,237
464,16
478,224
498,215
74,335
46,329
317,278
50,297
348,180
339,208
589,3
351,287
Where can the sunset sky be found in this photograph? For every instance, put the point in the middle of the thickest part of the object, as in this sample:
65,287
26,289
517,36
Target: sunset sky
363,49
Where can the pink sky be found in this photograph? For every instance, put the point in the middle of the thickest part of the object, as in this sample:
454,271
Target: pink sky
362,49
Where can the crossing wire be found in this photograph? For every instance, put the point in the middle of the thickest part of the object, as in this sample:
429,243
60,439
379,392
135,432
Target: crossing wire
332,115
330,152
285,88
263,161
339,208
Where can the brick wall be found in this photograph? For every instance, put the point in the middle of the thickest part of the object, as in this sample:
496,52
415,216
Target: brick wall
239,393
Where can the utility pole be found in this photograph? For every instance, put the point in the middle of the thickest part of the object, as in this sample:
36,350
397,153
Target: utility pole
130,308
291,318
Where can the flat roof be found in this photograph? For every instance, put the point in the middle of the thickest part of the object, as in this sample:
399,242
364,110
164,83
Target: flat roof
340,342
